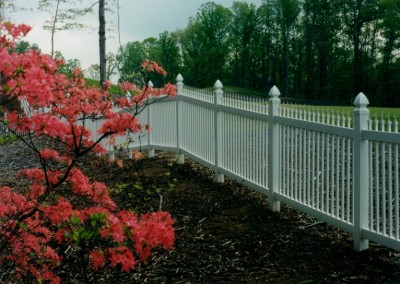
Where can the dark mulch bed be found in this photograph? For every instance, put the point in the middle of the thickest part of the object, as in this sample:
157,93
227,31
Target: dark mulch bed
226,233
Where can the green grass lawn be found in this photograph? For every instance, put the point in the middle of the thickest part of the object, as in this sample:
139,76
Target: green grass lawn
115,89
378,111
374,111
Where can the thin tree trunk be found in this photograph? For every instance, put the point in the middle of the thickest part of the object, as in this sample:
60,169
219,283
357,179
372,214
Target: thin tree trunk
286,61
309,68
356,49
102,42
53,29
387,51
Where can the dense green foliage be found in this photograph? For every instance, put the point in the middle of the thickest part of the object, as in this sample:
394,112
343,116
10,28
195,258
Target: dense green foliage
327,50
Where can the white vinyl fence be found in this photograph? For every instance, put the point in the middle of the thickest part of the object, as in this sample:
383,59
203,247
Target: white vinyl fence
28,110
340,168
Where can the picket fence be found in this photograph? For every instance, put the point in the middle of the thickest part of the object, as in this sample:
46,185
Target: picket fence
340,168
26,108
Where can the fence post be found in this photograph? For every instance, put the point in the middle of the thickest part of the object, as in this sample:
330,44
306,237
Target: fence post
218,93
361,172
150,151
274,164
179,90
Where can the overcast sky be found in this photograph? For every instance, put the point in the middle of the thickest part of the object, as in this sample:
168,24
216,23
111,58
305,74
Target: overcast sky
139,19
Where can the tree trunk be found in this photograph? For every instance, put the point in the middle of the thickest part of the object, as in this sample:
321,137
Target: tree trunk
286,61
53,29
102,42
387,51
356,49
309,68
356,64
1,10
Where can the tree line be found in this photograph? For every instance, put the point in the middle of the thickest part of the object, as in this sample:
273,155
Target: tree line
325,50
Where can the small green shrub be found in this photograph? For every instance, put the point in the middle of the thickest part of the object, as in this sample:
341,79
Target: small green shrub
11,138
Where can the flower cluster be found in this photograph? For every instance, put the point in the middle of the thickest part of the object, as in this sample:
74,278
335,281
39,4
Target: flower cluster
32,220
151,66
9,33
31,75
133,236
142,234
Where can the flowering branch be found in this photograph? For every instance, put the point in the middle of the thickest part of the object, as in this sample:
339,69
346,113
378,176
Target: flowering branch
32,219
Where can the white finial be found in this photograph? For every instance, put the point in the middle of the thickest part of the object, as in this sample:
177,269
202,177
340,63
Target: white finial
361,101
218,85
150,84
179,78
274,92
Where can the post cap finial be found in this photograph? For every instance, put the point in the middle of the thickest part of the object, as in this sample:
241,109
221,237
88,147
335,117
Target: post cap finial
150,84
274,92
218,85
361,101
179,78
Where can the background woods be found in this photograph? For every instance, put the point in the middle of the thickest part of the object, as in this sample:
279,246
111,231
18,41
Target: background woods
316,50
319,50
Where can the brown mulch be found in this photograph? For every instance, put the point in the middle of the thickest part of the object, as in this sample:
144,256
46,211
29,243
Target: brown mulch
225,233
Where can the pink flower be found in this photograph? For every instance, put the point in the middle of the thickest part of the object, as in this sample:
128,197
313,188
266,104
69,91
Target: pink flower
152,66
137,156
120,163
97,259
122,256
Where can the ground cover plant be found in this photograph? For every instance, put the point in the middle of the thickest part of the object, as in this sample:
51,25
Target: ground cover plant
59,204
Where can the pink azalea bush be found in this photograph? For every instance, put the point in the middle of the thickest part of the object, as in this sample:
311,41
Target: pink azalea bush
36,220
